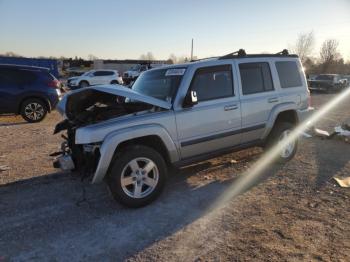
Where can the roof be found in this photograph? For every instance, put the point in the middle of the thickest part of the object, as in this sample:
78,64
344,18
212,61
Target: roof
25,67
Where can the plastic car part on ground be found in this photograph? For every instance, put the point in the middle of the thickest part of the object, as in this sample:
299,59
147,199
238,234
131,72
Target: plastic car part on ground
343,182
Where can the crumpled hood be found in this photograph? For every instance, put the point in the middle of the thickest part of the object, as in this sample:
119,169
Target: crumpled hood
76,97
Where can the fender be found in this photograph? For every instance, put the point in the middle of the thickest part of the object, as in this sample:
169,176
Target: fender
274,113
112,141
28,95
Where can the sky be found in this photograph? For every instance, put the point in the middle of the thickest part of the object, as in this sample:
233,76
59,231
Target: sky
122,29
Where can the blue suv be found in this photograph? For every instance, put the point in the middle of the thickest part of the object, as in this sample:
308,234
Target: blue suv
29,91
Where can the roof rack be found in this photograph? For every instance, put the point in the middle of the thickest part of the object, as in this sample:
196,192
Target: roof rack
242,54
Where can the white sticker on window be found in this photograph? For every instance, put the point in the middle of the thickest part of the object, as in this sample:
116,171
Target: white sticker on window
175,72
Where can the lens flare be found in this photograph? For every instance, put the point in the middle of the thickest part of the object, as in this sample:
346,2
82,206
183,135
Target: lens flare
268,158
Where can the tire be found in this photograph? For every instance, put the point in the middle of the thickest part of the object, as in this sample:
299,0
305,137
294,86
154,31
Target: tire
128,166
33,110
83,84
280,130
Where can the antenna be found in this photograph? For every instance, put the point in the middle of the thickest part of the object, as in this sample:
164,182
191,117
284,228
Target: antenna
192,50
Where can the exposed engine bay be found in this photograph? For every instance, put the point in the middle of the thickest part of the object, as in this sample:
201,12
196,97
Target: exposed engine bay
87,107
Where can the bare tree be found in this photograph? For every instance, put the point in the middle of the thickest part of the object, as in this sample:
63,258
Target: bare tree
180,59
92,57
11,54
329,51
304,45
148,56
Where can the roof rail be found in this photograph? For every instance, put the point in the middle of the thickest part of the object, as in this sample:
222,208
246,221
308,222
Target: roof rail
239,53
283,52
242,54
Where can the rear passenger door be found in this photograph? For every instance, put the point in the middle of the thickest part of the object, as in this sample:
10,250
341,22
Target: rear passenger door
100,78
214,123
258,97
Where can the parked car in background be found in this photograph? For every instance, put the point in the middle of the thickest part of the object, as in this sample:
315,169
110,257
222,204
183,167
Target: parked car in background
133,73
95,77
328,83
178,115
29,91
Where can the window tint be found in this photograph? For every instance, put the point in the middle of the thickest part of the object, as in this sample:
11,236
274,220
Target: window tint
17,76
213,82
288,74
255,77
103,73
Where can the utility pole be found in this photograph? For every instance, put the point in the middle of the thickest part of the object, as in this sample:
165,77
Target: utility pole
192,50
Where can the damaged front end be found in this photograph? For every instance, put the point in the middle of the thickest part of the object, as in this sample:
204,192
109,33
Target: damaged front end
90,106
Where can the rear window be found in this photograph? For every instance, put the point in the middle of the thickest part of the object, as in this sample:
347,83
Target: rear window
288,73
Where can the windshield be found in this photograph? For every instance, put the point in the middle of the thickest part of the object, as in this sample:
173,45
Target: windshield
161,84
325,77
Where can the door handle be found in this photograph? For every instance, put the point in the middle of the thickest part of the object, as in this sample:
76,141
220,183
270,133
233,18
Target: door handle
273,100
230,107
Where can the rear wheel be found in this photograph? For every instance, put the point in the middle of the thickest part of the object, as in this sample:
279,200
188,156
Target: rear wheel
137,176
278,135
33,110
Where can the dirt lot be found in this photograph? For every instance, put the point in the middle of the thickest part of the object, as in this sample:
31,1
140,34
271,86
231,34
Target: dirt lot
293,213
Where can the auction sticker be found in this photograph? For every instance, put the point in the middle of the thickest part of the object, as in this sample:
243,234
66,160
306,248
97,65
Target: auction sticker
175,72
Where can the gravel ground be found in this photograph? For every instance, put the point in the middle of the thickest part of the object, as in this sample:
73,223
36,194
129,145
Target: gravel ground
292,213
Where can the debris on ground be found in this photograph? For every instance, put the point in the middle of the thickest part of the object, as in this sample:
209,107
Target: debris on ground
4,168
343,130
324,134
343,182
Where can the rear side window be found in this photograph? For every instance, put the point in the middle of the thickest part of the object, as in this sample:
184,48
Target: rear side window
288,74
255,77
103,73
17,76
213,82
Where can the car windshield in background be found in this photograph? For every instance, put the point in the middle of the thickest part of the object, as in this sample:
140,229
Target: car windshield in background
325,77
161,84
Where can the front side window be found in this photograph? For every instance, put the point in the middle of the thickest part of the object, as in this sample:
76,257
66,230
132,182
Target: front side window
213,82
288,74
161,84
255,78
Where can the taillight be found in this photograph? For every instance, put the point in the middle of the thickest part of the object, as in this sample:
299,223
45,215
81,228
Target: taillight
54,83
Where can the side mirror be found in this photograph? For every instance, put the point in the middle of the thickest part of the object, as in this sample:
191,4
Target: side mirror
190,99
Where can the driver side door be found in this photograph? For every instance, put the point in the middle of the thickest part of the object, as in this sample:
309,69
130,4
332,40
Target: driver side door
214,123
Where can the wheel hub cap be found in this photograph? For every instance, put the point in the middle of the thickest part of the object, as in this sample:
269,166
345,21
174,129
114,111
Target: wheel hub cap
139,177
286,149
34,111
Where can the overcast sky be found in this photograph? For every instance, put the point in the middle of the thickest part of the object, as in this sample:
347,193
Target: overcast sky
122,29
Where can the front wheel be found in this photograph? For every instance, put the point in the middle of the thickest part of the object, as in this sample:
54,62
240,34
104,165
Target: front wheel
278,135
137,176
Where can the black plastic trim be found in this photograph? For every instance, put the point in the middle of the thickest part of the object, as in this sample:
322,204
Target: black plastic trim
216,153
221,135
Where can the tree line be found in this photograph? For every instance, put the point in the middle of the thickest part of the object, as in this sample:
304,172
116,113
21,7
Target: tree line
328,60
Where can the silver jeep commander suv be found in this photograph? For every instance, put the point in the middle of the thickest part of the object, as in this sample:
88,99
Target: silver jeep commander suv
180,114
